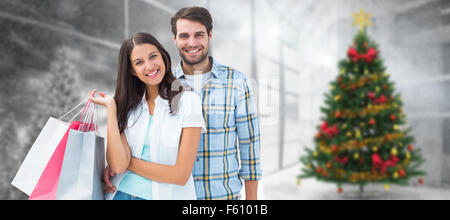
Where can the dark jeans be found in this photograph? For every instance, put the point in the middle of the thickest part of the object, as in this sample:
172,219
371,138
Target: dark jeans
123,196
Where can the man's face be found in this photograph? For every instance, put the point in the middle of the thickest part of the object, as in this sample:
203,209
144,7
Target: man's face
192,41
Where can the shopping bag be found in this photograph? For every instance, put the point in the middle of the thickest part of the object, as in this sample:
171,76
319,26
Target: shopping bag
83,165
47,184
39,154
48,146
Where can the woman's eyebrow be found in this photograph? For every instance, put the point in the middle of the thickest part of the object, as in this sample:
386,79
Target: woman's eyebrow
141,58
136,59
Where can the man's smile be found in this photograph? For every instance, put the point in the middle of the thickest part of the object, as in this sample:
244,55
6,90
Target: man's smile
193,51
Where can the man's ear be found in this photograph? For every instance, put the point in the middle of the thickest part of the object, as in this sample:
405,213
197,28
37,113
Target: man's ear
175,39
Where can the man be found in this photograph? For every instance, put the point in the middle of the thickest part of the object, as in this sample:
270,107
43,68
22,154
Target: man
228,108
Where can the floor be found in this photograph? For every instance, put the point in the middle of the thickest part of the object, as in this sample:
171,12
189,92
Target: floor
282,185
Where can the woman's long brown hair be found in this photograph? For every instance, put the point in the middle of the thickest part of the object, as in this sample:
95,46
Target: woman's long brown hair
130,90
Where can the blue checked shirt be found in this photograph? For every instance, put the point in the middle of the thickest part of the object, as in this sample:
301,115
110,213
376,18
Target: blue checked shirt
230,116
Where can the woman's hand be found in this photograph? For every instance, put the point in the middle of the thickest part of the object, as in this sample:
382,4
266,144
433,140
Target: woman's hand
118,152
103,100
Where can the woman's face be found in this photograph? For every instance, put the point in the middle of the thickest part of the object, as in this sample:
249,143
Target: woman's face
148,64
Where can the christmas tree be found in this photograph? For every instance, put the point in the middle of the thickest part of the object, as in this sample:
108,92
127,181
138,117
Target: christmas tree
362,138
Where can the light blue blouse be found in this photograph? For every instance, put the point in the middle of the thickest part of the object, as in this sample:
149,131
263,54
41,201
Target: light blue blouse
134,184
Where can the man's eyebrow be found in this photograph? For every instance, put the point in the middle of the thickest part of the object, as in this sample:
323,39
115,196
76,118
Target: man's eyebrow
198,32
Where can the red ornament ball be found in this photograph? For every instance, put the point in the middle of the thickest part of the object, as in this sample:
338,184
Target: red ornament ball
392,117
334,149
402,173
421,181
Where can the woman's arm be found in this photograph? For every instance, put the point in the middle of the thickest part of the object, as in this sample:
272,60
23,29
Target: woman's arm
179,173
118,152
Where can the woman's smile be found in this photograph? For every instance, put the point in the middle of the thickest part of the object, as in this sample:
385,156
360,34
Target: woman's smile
153,74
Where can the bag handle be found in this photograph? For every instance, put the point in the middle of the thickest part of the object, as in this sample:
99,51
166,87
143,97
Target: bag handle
87,121
73,110
89,115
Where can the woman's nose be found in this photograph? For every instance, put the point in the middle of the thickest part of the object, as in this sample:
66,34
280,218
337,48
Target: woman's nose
149,66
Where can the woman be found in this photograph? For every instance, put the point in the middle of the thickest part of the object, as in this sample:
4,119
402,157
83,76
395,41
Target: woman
153,126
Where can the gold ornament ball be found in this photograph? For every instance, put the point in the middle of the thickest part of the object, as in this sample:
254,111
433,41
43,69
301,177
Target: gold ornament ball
315,154
349,134
337,98
394,151
395,175
408,155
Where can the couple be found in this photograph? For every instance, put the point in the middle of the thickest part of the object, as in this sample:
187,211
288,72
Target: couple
174,135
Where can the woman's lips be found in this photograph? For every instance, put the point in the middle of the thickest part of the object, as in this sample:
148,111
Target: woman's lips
152,74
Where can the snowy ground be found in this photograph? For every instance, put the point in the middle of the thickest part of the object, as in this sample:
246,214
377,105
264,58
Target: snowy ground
282,186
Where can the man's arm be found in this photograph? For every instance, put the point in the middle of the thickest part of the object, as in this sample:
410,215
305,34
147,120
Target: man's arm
251,189
249,141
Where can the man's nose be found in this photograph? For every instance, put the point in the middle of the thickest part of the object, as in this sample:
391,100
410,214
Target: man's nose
191,42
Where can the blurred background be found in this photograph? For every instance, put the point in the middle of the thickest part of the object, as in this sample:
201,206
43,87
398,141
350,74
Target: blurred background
52,53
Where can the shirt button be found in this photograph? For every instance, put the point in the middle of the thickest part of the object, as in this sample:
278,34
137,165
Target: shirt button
198,160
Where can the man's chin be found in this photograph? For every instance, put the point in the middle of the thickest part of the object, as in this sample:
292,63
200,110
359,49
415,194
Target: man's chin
193,61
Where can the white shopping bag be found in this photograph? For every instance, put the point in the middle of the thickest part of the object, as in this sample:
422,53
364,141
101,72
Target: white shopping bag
82,169
39,155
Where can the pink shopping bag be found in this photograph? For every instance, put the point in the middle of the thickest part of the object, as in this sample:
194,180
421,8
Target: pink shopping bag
47,186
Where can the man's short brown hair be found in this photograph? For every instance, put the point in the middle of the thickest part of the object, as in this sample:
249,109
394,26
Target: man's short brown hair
198,14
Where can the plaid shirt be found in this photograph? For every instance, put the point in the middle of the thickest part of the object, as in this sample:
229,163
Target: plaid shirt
230,115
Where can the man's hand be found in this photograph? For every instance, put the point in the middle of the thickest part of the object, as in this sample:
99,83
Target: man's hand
108,173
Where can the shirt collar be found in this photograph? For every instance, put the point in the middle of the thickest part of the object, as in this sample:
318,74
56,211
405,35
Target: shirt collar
158,100
179,73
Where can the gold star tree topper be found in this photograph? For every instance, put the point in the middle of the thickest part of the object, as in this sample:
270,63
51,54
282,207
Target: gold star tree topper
362,19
